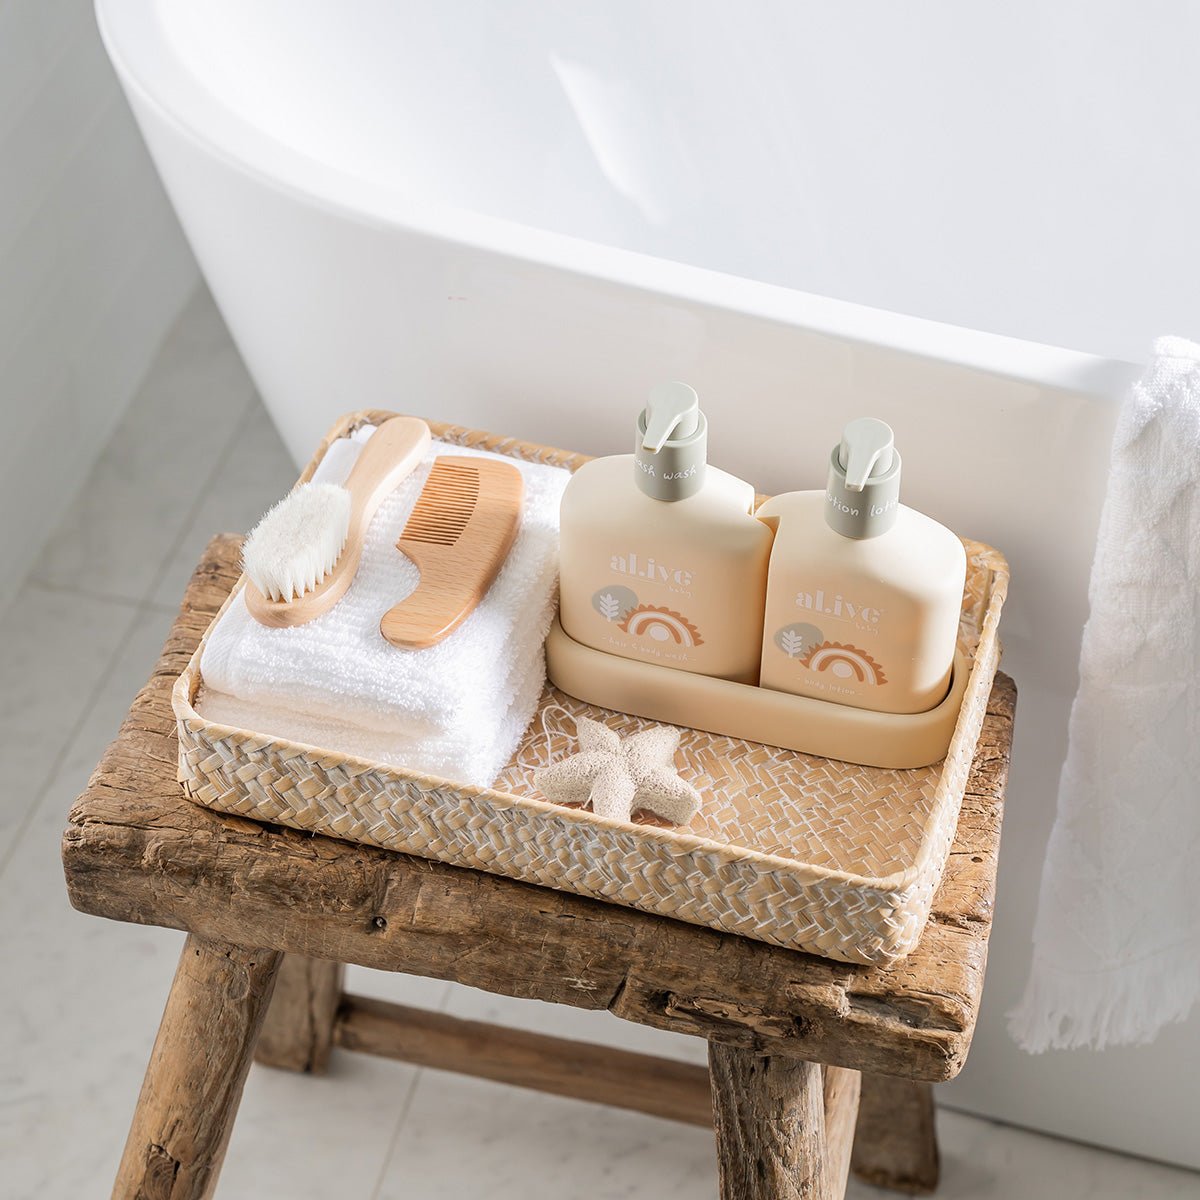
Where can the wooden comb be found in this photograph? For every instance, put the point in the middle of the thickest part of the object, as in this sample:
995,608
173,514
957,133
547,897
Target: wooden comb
458,535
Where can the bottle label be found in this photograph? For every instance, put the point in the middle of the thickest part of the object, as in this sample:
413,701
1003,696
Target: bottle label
645,613
675,578
829,649
865,618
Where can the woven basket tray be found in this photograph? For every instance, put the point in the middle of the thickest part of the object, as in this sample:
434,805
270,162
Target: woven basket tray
788,848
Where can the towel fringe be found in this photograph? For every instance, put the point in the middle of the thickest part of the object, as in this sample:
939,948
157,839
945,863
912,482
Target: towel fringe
1125,1006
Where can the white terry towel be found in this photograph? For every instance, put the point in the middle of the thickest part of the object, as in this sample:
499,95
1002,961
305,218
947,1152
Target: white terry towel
454,709
1117,939
473,755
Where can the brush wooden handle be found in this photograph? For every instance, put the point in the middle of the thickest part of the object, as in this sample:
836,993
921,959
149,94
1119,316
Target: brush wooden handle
454,578
387,458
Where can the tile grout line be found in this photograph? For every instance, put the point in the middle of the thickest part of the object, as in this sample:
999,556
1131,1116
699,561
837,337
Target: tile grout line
70,589
139,609
146,600
393,1141
22,827
405,1108
239,427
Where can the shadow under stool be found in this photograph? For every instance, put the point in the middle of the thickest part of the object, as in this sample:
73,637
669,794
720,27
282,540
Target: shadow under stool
815,1066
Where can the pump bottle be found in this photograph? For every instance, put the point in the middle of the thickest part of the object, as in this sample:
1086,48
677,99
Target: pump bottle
863,593
660,557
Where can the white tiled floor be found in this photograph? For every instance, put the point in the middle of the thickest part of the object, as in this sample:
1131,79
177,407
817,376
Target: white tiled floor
80,998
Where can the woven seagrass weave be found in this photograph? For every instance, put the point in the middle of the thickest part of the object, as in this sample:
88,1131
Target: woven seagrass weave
788,848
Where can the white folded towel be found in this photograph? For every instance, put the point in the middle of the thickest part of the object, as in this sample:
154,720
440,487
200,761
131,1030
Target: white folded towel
456,709
476,755
1117,939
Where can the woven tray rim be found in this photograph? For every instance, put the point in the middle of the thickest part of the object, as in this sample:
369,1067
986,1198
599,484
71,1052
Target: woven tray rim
897,885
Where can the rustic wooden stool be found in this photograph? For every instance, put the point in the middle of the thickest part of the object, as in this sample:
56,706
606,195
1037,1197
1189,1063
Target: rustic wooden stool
272,913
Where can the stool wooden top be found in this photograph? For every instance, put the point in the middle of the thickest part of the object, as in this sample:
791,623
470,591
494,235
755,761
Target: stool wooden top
136,849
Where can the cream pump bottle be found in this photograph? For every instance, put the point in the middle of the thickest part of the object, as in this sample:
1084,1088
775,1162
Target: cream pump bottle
660,558
863,593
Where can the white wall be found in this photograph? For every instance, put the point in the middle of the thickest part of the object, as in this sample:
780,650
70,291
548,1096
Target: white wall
93,266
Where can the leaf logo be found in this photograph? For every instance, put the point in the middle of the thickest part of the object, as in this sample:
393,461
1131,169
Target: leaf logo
795,640
791,643
613,602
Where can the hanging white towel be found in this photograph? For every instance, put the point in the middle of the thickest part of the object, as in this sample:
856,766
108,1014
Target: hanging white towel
1117,938
456,709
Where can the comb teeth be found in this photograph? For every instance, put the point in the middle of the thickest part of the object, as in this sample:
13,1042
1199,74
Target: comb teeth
444,506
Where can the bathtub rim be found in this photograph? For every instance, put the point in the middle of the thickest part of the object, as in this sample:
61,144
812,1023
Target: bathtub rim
157,81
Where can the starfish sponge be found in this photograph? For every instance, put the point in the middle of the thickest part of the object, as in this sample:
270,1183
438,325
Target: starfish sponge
620,776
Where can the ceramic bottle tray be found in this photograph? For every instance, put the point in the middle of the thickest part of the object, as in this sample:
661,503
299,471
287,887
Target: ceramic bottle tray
873,739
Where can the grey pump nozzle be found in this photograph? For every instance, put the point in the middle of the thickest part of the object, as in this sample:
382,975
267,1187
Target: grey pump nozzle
671,451
672,413
866,451
862,499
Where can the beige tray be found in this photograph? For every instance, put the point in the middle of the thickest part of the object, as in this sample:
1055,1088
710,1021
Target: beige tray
741,710
788,848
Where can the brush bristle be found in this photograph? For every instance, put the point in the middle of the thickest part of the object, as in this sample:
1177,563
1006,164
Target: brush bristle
298,541
445,504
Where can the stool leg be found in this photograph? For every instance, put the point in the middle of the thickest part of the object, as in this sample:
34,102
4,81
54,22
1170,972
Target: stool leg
895,1145
841,1116
775,1140
197,1069
298,1032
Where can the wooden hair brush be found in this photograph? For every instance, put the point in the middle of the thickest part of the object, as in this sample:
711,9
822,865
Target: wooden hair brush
458,535
302,556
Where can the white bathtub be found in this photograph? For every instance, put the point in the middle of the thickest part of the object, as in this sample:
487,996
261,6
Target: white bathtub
520,216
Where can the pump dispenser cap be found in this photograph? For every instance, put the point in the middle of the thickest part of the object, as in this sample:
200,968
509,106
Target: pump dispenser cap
863,496
671,452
